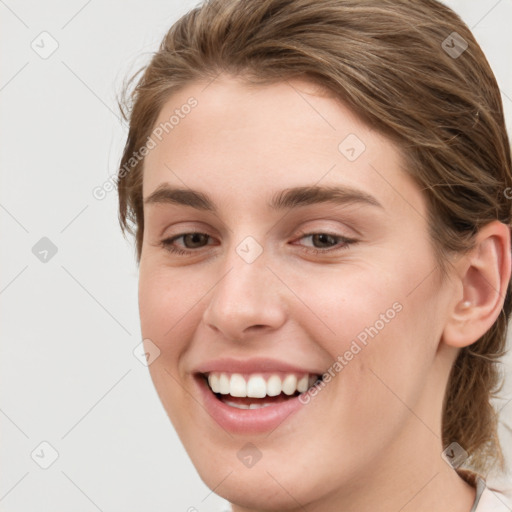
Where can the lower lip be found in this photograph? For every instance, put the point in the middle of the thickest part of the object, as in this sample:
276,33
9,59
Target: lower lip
247,421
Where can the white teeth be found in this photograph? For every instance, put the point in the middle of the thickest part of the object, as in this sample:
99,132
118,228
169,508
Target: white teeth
245,406
274,385
257,386
258,406
302,384
213,380
223,384
238,406
289,384
237,385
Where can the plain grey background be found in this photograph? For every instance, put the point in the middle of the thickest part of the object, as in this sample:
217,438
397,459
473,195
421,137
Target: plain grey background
68,286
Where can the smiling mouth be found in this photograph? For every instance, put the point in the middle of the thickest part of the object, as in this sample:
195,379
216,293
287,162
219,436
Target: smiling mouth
254,391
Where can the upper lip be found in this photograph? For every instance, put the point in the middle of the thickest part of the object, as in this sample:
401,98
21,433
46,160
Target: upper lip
254,365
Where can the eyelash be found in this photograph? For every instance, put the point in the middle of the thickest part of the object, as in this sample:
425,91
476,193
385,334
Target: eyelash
346,243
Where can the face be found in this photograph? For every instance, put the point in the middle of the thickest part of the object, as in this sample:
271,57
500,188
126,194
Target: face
283,242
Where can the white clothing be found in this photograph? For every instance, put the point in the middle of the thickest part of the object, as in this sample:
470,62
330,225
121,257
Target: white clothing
491,500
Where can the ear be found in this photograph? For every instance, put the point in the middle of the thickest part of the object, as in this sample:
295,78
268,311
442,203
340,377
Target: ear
483,275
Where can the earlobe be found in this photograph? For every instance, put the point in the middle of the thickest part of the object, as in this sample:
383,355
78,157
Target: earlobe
484,277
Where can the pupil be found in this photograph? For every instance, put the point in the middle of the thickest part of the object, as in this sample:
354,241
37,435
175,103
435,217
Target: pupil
323,237
194,237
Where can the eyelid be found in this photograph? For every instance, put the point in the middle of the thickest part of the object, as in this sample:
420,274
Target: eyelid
306,232
184,227
347,233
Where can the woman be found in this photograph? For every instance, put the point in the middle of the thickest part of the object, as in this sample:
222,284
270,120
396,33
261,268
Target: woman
318,195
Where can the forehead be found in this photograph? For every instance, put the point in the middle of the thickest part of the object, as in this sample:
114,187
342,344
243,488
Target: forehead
240,141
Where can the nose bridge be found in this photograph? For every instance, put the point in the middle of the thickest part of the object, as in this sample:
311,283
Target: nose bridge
246,295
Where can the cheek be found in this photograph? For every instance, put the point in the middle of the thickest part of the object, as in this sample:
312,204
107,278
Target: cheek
166,307
343,304
381,335
392,369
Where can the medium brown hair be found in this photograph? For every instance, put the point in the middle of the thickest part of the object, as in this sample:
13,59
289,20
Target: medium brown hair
389,61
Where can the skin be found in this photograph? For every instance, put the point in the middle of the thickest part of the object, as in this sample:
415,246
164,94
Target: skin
371,439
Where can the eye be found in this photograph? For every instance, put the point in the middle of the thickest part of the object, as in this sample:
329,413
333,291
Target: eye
191,241
322,242
327,242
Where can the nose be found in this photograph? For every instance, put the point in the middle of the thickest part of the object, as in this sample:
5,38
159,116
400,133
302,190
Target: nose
247,299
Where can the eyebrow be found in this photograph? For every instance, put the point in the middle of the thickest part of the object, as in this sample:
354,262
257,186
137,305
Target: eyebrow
295,197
